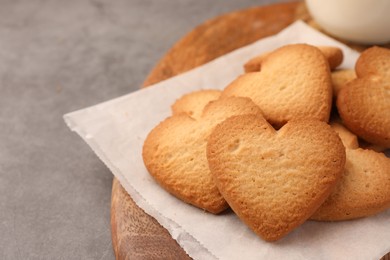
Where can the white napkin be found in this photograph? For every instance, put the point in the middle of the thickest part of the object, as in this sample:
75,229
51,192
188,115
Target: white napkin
116,130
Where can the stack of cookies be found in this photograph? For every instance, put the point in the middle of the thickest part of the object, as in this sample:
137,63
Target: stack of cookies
270,146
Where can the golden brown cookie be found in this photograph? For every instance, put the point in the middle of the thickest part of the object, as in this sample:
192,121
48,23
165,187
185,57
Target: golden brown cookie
340,78
334,56
294,83
274,180
364,103
364,188
349,139
174,152
193,103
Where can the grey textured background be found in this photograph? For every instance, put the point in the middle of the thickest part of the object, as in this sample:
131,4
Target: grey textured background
56,57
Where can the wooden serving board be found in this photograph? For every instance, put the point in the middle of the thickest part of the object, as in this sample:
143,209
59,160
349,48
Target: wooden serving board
136,235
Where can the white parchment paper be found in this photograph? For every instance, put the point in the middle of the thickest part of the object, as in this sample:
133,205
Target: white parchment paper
116,129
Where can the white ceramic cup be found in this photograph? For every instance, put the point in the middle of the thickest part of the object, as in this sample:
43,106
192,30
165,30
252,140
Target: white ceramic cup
362,21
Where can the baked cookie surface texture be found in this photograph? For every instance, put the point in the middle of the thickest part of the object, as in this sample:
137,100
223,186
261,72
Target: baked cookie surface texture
174,152
340,78
334,56
193,103
274,180
364,188
364,103
293,83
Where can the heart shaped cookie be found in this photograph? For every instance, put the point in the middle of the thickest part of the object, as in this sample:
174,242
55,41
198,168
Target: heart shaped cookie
274,180
294,83
364,188
334,56
174,152
364,103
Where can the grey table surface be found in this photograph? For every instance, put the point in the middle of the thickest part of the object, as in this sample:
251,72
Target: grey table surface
57,57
